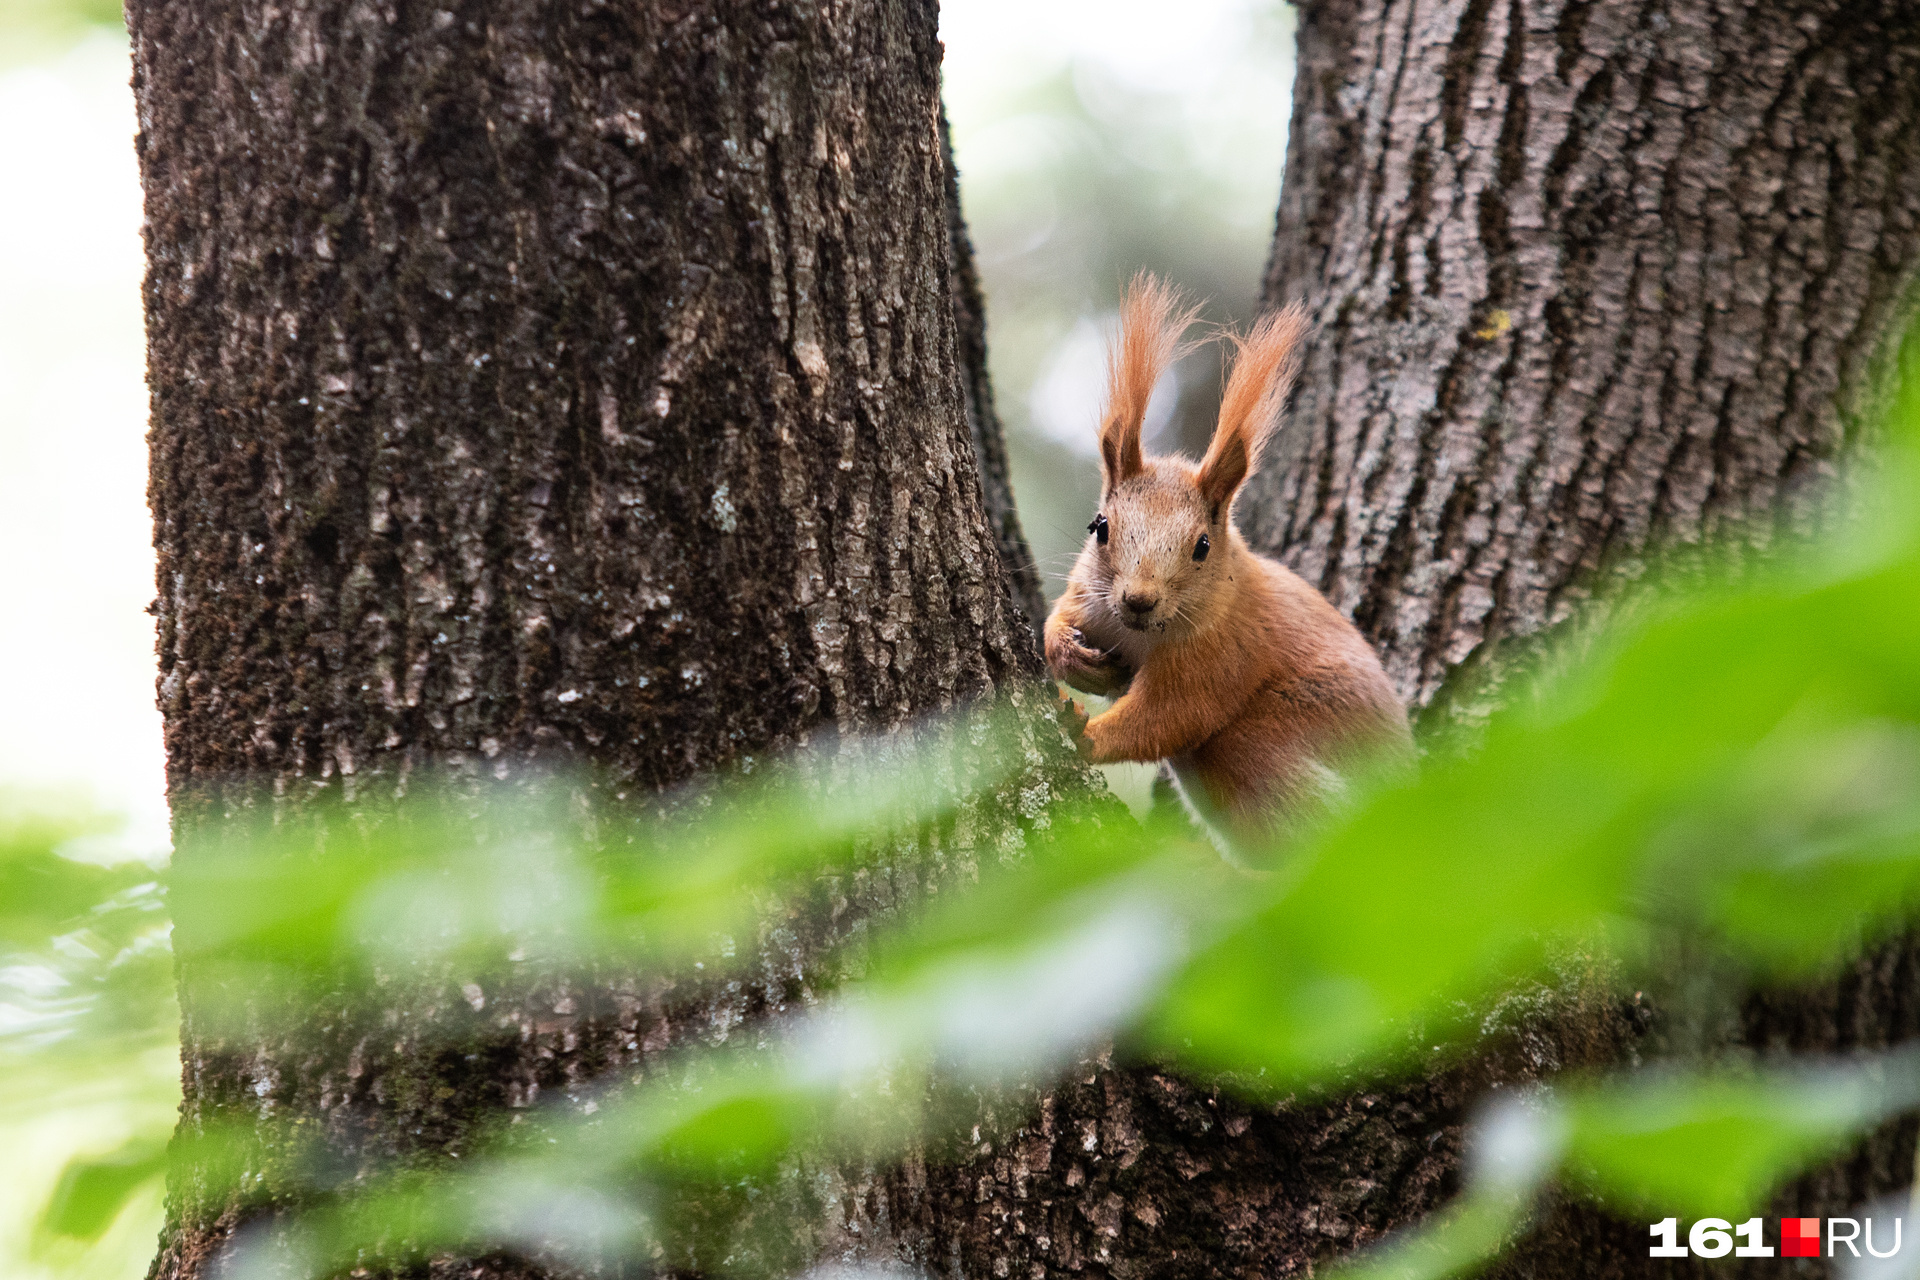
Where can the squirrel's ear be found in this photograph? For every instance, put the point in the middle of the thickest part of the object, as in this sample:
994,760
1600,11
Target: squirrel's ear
1153,319
1264,368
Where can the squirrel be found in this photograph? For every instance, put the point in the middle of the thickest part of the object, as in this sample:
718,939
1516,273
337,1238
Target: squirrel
1227,665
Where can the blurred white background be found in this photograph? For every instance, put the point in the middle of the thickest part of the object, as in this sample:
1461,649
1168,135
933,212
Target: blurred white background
1094,138
76,574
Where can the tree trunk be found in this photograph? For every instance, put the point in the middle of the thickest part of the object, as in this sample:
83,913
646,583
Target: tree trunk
1589,275
1593,278
989,438
538,384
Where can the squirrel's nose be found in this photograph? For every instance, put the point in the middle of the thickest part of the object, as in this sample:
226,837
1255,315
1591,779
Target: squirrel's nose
1139,601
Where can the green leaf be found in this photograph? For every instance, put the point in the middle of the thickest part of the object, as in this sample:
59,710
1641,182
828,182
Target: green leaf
42,893
1459,1239
94,1189
1716,1145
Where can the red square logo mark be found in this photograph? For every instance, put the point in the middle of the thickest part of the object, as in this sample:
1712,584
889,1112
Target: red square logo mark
1799,1237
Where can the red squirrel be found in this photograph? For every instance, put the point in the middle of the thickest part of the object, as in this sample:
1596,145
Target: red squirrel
1255,688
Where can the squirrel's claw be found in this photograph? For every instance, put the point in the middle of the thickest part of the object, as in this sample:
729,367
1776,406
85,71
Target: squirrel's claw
1073,718
1087,669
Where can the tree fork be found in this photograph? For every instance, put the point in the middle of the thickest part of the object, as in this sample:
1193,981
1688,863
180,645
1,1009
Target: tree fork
1590,276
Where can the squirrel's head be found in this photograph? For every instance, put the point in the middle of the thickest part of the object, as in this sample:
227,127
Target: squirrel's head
1163,543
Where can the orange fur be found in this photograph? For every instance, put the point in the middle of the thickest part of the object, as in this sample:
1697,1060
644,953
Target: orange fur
1152,321
1230,666
1265,364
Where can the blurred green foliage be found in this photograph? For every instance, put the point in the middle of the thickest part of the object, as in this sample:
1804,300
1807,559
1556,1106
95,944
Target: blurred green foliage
1723,761
87,1021
88,970
92,1192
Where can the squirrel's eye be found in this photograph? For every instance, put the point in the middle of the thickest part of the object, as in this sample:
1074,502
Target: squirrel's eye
1099,530
1200,548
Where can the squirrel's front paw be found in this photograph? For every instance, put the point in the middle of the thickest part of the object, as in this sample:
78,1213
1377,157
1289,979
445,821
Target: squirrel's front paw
1086,669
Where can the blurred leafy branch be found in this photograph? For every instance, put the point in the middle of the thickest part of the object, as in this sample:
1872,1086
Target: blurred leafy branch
86,998
1737,767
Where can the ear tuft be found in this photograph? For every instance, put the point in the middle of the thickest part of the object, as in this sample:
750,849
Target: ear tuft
1265,364
1153,320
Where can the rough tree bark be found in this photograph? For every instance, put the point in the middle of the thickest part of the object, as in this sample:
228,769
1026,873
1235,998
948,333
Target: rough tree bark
989,439
535,384
1594,278
1590,275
